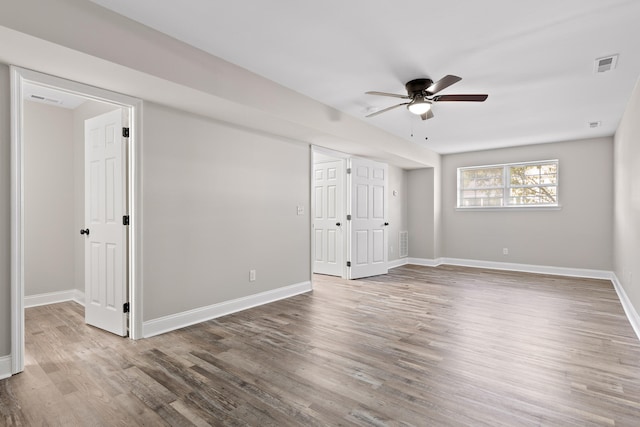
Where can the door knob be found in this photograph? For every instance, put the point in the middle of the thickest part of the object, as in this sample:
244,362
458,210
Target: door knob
338,224
85,231
386,223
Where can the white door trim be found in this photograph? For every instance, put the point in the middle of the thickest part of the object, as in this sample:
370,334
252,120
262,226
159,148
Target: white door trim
19,76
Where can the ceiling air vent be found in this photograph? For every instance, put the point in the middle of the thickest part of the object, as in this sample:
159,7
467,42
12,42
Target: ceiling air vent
44,99
606,64
593,125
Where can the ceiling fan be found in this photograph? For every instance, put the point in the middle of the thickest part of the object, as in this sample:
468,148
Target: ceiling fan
422,93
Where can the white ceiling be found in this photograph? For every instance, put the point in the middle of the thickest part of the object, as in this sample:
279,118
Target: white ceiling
534,59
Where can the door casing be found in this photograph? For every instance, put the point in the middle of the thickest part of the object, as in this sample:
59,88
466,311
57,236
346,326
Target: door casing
20,76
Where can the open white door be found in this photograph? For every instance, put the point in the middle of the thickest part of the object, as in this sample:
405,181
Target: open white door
105,233
368,226
328,218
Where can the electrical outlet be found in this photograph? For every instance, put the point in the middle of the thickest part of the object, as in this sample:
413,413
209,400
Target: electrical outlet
252,275
300,210
505,251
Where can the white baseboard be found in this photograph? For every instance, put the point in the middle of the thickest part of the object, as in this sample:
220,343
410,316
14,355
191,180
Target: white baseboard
198,315
425,262
5,367
525,268
78,297
398,262
628,307
54,298
530,268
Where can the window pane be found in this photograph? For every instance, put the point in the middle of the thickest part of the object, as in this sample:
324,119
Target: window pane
482,178
533,174
527,185
482,202
532,195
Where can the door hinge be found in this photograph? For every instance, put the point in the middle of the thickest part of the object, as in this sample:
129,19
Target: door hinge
125,307
348,217
125,220
348,263
125,132
348,171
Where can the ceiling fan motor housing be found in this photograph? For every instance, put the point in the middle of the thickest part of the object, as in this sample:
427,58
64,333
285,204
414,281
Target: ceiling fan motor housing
418,87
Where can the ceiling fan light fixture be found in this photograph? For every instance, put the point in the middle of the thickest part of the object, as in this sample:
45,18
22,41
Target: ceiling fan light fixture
421,93
419,106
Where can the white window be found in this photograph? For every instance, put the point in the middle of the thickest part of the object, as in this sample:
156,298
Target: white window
530,184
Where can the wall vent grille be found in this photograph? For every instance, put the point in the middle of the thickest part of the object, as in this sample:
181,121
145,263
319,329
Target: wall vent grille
403,244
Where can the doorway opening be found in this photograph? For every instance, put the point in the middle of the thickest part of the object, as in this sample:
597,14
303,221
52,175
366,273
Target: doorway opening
350,215
37,172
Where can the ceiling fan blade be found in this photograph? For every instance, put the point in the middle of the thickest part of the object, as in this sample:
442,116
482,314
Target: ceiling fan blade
388,94
468,98
384,110
443,83
427,115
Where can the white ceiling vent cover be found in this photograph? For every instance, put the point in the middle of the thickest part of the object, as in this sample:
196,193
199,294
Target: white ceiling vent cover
45,99
605,64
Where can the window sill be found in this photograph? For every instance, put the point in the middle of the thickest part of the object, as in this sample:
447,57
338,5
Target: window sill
511,208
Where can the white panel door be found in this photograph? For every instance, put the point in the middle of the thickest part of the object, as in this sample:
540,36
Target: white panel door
328,218
368,225
104,233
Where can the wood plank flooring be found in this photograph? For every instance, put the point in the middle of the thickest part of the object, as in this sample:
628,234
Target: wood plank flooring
445,346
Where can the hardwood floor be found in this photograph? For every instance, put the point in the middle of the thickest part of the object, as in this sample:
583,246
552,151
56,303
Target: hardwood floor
445,346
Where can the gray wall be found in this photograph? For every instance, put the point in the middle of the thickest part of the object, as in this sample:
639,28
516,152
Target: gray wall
627,200
420,216
48,199
576,236
5,213
217,202
398,212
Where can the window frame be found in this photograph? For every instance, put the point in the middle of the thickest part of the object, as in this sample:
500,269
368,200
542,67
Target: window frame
507,186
